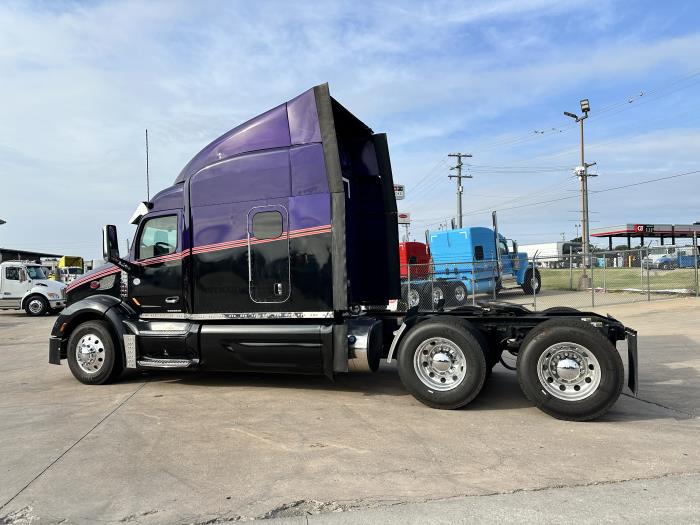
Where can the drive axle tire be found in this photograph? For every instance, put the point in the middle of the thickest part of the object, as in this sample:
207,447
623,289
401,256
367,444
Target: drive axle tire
569,370
457,295
92,356
36,305
442,363
410,297
561,310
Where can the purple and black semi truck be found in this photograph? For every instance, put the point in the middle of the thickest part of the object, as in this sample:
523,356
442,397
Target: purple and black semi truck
255,259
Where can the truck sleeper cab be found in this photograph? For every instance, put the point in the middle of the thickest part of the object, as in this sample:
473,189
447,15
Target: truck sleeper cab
253,260
469,254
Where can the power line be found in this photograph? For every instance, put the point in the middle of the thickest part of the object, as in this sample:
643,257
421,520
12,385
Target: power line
606,111
548,201
426,177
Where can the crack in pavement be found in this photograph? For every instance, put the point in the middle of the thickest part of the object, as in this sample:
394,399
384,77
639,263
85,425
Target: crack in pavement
691,416
306,508
104,418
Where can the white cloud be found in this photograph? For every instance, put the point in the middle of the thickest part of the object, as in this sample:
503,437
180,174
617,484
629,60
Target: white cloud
81,82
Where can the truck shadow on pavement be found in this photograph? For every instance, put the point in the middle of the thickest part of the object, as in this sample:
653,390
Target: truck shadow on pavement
669,383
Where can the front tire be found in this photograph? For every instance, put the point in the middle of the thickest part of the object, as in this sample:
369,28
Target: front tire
92,355
36,305
569,370
442,363
528,282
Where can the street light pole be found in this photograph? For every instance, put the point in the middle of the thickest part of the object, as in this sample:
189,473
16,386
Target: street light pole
582,172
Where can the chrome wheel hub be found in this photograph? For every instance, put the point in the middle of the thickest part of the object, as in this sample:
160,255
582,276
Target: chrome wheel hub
35,306
568,371
440,364
90,353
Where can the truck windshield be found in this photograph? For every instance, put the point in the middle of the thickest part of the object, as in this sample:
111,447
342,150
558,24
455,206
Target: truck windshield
35,272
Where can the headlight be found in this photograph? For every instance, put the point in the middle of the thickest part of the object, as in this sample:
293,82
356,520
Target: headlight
53,295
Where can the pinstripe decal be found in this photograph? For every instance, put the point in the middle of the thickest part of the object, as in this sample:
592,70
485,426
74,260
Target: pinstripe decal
92,277
207,248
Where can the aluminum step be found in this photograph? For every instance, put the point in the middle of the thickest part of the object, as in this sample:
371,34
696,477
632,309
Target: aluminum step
168,363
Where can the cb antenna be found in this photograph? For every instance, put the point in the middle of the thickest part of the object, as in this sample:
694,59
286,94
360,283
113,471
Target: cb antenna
148,184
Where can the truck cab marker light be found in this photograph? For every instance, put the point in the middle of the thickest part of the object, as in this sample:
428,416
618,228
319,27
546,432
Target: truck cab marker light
136,302
63,327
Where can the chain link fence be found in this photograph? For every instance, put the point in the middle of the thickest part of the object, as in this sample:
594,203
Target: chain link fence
606,278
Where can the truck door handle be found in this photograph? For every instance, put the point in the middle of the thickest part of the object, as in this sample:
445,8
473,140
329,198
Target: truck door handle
278,288
173,299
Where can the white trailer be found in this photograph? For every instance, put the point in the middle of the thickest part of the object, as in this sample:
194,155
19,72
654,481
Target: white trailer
552,254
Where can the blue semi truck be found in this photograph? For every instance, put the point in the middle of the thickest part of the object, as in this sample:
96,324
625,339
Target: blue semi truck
484,260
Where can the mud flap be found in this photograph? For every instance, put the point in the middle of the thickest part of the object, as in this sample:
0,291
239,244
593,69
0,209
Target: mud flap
632,361
55,351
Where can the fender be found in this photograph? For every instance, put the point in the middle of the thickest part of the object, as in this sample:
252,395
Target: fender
41,289
523,267
104,307
408,321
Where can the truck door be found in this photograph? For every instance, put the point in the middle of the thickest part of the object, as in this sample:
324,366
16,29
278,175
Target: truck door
268,254
157,286
506,260
13,286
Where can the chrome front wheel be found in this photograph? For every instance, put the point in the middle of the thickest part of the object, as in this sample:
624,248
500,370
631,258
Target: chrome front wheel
90,353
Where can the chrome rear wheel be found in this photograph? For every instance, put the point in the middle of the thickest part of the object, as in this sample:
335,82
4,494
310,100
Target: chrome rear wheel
440,364
568,371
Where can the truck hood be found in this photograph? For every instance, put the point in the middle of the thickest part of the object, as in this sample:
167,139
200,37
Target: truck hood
48,285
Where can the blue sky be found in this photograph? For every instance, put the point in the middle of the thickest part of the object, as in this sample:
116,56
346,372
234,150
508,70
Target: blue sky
82,80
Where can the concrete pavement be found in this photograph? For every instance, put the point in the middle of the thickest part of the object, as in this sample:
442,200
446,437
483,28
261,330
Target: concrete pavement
192,448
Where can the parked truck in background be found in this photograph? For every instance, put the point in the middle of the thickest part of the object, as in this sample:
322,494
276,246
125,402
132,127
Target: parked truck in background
255,259
683,257
24,286
70,268
482,259
420,286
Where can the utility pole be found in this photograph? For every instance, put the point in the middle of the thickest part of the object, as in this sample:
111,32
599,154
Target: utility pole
459,178
582,172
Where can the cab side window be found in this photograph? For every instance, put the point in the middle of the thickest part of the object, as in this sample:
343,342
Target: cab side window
158,237
267,225
503,248
12,274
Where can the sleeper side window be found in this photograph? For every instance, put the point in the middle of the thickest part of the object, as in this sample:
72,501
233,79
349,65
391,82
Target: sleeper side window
267,225
479,253
158,237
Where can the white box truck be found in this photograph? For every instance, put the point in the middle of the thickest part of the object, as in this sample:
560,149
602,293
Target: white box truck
24,286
